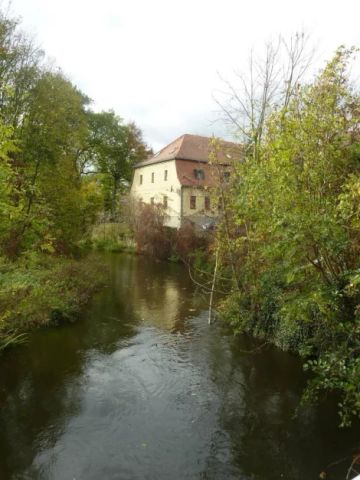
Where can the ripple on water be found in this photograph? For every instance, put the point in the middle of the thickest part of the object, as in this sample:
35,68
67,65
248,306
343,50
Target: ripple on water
143,388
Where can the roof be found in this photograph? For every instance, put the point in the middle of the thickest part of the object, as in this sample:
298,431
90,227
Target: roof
194,148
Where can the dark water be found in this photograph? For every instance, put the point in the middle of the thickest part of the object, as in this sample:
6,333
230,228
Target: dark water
142,388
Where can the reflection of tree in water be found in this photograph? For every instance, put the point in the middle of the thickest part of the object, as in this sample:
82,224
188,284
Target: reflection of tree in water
160,292
42,384
25,411
272,436
242,404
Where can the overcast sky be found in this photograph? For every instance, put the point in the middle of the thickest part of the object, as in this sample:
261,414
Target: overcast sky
156,62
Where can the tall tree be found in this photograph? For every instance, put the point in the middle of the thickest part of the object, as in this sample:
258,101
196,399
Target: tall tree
298,200
20,68
52,132
114,147
269,83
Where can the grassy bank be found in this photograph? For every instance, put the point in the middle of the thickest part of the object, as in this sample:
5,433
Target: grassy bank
112,237
43,290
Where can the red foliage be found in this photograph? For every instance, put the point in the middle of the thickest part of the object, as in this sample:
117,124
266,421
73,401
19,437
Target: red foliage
188,240
151,236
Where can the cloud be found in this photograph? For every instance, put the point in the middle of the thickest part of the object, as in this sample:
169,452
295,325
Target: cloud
156,62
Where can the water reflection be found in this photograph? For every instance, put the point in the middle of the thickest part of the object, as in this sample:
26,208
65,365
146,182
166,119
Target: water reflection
143,388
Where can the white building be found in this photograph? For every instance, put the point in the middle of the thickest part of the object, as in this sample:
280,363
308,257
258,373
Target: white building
181,178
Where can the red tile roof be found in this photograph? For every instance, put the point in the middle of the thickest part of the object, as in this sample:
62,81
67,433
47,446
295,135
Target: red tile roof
194,148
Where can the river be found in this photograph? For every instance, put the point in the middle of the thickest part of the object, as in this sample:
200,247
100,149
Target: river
142,388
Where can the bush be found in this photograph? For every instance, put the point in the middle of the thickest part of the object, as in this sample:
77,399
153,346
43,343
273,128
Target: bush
155,239
151,236
110,237
188,241
40,290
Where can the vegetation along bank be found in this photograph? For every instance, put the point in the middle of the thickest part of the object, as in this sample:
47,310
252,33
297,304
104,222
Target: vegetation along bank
289,239
285,250
62,167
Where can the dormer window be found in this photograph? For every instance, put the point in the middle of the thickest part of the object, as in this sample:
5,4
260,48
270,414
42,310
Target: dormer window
199,174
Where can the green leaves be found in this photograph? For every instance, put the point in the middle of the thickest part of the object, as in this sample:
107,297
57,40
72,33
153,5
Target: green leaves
113,148
300,257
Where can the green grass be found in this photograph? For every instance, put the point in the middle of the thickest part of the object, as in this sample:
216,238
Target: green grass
43,290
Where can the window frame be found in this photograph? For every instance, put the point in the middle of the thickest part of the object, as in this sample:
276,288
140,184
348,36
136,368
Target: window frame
199,174
192,202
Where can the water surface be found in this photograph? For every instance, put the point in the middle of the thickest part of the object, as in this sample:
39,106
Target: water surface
142,388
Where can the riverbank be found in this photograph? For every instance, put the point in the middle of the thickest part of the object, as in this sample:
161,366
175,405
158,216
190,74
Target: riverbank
112,237
42,290
142,387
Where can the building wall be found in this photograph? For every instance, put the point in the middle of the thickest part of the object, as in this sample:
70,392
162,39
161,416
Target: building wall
199,214
170,188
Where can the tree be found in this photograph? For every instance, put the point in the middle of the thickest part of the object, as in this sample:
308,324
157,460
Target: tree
49,186
20,68
268,84
8,211
298,201
113,148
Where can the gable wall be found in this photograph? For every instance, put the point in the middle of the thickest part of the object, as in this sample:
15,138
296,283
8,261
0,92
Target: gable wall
161,187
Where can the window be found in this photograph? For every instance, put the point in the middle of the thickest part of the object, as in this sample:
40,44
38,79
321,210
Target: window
199,174
141,179
192,202
165,175
152,177
226,176
207,203
165,201
152,200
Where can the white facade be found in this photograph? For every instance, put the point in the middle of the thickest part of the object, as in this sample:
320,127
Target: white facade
159,183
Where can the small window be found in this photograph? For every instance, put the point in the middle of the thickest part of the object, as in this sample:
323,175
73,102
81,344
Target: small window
165,175
152,200
192,202
141,179
199,174
226,176
207,203
152,177
165,201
